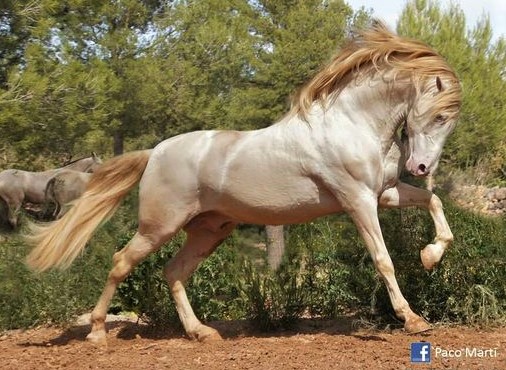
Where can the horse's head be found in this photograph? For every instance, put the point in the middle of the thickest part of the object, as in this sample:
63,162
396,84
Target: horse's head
96,162
88,164
430,120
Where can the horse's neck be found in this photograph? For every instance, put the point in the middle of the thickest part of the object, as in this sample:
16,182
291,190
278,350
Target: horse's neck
81,165
373,107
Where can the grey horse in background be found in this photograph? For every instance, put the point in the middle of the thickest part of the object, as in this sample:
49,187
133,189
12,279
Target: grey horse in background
63,188
18,186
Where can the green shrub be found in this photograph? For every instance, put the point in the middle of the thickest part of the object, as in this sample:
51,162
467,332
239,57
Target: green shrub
326,272
28,299
272,299
468,285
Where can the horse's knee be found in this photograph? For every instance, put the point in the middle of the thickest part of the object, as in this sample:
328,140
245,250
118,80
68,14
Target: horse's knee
384,265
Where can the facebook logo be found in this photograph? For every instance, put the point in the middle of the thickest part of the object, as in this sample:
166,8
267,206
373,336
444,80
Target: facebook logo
420,352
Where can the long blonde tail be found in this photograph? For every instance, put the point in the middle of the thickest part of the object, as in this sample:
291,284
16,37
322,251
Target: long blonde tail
58,243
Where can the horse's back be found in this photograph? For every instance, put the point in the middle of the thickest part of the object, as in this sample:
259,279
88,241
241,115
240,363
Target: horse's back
178,163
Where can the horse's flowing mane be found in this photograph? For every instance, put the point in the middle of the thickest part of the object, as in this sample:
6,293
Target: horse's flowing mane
66,164
378,48
69,162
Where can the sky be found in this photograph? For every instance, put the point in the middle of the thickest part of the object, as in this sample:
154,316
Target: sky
389,11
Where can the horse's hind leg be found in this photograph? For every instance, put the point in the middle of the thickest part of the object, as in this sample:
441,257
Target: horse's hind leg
139,247
204,235
13,209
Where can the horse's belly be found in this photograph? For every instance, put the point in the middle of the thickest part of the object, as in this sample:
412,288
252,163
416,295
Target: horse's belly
266,216
292,202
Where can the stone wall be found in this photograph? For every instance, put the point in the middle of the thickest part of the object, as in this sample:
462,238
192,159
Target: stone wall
491,201
496,200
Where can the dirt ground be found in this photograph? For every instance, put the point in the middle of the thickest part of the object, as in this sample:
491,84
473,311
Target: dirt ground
312,345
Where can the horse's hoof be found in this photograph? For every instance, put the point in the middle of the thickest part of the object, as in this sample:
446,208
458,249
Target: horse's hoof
98,338
416,325
207,334
431,255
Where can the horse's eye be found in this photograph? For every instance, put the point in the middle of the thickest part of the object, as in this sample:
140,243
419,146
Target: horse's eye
439,118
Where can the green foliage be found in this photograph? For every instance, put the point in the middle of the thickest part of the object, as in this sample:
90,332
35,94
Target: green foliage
326,273
466,287
145,291
95,75
27,299
133,73
272,299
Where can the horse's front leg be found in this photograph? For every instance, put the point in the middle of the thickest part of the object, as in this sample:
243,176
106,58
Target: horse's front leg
364,213
404,195
13,211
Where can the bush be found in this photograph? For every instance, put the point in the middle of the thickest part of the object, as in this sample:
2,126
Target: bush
28,299
468,285
326,272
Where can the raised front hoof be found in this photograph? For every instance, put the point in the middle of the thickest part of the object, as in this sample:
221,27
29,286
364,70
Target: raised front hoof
416,325
431,255
97,338
205,334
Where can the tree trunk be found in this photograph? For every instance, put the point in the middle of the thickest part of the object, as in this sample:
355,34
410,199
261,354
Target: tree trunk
118,143
275,245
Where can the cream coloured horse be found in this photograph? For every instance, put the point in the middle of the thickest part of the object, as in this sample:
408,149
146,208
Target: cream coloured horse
339,149
18,186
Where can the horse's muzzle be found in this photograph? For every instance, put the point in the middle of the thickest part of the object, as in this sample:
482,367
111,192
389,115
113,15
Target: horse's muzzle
419,169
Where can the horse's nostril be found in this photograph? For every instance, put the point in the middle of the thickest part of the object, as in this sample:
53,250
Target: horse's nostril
422,168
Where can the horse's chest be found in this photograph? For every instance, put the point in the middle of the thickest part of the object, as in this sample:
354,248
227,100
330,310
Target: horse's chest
392,165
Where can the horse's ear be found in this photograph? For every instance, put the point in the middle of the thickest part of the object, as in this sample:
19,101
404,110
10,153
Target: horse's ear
439,84
67,160
94,155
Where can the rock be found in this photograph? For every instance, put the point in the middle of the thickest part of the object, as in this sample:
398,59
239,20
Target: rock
500,194
85,319
496,194
503,204
490,195
490,201
492,206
